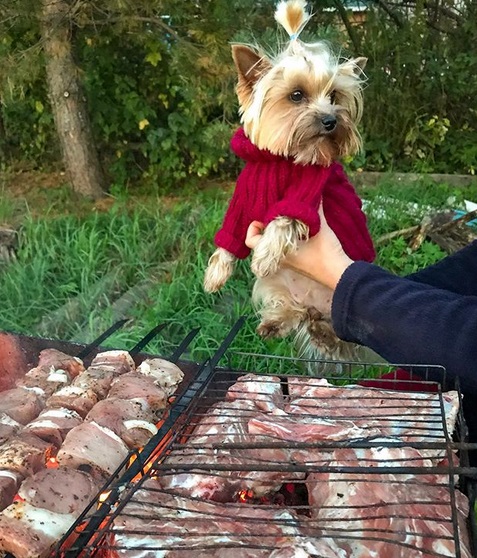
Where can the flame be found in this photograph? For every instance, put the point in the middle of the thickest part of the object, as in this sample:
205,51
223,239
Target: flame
245,495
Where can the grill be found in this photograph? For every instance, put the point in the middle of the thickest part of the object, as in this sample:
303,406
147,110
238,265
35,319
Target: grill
328,472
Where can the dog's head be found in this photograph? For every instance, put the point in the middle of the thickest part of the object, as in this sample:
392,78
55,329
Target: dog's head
303,103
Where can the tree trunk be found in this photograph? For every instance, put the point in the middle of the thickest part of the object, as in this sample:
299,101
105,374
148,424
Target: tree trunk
68,102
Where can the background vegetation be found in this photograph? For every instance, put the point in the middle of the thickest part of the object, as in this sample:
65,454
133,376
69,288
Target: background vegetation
159,83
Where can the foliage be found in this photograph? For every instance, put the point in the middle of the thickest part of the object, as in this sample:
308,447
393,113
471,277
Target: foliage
159,82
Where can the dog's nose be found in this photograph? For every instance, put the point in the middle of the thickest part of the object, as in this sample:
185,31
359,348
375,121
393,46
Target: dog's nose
329,122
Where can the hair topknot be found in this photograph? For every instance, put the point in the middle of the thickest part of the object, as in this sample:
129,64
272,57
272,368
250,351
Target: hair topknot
292,15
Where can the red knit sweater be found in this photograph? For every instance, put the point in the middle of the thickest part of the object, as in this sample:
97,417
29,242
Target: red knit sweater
270,186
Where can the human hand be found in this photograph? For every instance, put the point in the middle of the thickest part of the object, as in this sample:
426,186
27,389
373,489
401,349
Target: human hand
321,258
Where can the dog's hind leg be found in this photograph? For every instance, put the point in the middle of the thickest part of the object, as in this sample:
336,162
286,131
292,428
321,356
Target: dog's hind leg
279,313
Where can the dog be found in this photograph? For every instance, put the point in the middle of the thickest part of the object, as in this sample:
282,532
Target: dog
299,111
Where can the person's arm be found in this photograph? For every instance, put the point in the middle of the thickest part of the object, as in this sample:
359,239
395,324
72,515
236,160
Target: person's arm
407,322
404,321
456,273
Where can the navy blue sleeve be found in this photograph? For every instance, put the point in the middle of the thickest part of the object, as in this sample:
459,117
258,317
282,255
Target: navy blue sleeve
408,322
456,273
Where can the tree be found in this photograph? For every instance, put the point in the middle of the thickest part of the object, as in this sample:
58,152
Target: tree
68,102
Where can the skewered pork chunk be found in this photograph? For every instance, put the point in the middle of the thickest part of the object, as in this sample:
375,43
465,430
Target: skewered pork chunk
120,362
9,483
48,381
95,379
25,454
135,385
92,448
30,532
21,405
52,425
132,420
78,399
8,427
166,374
61,490
52,359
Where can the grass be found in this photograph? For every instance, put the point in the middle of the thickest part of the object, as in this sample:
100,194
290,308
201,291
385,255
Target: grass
87,260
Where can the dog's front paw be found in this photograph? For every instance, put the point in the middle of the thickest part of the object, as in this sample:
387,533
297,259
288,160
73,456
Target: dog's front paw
220,268
266,258
281,237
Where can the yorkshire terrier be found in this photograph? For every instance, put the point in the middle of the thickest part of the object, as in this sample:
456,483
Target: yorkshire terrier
299,110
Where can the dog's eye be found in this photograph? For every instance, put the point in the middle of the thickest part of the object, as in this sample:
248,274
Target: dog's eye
333,97
297,96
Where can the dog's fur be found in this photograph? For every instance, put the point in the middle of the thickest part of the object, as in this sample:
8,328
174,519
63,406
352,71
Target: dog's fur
283,101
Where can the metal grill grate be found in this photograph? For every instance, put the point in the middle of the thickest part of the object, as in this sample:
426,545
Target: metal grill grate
269,468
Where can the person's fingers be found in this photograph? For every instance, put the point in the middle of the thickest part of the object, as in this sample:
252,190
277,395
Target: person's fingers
254,233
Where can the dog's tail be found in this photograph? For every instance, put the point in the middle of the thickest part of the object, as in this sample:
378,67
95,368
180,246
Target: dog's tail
292,15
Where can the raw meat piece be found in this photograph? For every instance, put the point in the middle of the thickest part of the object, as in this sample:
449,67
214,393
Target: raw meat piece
52,425
118,362
312,396
74,398
22,405
92,448
132,420
265,391
8,427
59,490
226,422
25,454
182,527
409,514
318,547
96,379
166,374
57,360
134,385
308,429
9,483
30,532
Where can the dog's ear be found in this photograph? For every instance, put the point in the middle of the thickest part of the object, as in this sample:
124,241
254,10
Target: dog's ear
250,65
355,66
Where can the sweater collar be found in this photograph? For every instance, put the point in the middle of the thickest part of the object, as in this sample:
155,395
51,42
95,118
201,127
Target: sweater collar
245,149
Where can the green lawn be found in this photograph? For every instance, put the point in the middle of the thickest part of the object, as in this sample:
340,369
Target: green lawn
74,268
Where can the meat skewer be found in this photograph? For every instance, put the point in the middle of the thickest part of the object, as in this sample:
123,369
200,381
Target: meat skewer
49,502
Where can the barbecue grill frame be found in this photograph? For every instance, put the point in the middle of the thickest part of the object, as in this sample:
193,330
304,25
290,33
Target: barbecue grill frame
228,374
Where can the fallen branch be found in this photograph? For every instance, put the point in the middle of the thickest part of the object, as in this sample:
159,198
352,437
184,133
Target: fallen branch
394,234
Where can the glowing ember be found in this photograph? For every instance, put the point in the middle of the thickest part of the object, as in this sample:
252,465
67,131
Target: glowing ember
103,497
51,463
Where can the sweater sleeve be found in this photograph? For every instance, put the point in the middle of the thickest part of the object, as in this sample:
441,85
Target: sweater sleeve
408,322
231,236
456,273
